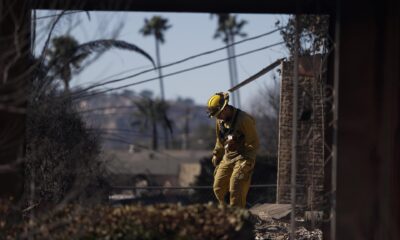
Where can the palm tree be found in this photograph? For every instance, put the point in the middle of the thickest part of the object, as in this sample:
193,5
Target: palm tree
156,26
59,59
228,27
66,55
150,114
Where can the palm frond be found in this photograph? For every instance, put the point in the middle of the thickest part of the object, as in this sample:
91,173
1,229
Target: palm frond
88,15
141,106
105,44
156,26
227,26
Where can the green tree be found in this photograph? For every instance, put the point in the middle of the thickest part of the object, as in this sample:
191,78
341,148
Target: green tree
60,57
152,113
227,29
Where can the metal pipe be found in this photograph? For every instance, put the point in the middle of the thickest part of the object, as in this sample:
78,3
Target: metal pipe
335,125
294,130
192,187
257,75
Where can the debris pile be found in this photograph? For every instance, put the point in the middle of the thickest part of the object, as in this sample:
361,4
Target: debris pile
272,222
278,230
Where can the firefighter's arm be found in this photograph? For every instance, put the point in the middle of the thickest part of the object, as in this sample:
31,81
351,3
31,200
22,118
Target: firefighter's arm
218,151
251,142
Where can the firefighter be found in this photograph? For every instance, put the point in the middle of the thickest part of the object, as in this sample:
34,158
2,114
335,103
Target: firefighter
235,150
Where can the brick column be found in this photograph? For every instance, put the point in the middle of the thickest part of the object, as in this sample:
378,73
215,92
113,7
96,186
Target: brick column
310,142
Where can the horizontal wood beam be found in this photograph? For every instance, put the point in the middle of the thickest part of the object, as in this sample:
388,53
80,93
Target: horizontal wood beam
237,6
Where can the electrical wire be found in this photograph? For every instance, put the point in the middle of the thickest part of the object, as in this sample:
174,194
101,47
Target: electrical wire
114,130
180,61
140,146
56,15
106,108
175,73
116,75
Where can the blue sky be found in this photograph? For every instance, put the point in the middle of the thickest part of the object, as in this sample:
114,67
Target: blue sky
190,34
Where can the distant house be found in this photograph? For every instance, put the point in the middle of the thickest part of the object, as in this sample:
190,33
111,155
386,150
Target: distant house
159,168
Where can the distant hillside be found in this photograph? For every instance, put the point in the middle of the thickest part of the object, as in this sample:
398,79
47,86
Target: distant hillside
111,116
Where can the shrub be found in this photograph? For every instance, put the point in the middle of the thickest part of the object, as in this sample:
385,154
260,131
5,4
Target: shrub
61,155
136,222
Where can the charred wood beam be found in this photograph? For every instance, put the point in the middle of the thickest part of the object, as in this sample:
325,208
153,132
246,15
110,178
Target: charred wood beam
248,6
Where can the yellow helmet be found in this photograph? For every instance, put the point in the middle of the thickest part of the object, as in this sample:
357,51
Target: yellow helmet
217,103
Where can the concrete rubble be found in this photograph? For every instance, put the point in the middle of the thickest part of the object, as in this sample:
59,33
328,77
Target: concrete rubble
273,223
281,231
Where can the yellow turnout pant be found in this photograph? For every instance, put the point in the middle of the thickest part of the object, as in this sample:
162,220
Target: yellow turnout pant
235,177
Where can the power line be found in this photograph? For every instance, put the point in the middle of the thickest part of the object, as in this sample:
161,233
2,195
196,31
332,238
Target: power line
117,140
140,146
113,107
123,139
113,130
56,15
185,188
106,108
115,133
115,137
180,61
118,74
177,72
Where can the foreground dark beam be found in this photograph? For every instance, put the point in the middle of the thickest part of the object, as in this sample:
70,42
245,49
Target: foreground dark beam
368,166
14,79
248,6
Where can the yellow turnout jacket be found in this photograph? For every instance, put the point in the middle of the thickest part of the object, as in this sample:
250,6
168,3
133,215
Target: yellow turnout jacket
243,128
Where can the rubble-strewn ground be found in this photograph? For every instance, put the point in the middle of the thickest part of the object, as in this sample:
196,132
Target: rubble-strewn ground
272,222
275,229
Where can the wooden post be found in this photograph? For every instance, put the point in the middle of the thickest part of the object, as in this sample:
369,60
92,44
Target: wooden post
368,140
15,49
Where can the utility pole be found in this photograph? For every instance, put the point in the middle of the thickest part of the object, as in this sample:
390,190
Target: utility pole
294,131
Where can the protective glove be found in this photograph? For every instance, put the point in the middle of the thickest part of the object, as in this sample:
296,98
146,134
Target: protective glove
215,161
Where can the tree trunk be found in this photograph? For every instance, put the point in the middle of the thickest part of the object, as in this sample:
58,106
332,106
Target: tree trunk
155,134
66,87
159,69
166,145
